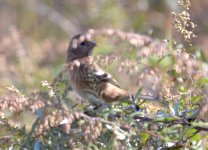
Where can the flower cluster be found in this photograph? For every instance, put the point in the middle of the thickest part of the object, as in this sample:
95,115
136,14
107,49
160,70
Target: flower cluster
187,65
17,102
182,21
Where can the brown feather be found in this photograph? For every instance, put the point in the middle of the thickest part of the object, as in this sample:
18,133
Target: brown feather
87,79
112,93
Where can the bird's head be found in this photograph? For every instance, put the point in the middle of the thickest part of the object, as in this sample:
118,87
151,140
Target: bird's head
79,47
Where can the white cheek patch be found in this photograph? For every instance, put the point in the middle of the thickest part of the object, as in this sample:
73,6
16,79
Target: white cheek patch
76,63
74,43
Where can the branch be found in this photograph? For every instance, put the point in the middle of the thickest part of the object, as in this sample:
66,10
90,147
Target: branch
126,126
183,121
181,144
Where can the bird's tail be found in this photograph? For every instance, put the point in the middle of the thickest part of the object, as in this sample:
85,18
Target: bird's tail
147,97
144,97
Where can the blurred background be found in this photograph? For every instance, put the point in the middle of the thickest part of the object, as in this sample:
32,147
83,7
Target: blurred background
34,34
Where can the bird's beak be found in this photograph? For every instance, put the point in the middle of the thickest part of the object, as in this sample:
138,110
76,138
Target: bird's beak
92,44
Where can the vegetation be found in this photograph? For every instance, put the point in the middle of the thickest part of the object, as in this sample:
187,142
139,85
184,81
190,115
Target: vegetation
38,108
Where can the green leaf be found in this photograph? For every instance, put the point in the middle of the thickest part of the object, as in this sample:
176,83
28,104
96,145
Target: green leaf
144,137
165,119
165,62
134,114
182,89
176,108
193,113
201,55
201,124
203,81
153,60
196,99
162,114
190,132
196,137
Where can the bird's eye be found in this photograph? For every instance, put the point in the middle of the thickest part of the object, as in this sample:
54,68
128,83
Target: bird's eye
83,43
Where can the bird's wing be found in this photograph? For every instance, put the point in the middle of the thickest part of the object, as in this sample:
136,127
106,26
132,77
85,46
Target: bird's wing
103,76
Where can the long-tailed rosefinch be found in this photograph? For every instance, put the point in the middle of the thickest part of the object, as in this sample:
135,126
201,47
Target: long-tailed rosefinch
85,76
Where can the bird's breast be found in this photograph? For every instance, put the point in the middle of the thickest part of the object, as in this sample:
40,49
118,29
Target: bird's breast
82,85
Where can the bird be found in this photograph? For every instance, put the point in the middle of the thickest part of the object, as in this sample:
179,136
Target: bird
87,79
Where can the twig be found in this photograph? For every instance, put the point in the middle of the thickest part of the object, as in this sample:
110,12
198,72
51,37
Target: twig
126,126
183,121
181,144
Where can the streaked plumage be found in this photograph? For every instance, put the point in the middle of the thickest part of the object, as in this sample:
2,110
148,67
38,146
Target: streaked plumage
85,76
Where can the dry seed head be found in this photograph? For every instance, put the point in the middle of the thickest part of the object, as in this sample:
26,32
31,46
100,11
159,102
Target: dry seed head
185,3
91,31
70,118
109,32
76,115
182,21
46,124
67,127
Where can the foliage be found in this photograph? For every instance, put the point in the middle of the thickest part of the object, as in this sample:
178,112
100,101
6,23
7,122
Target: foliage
55,118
